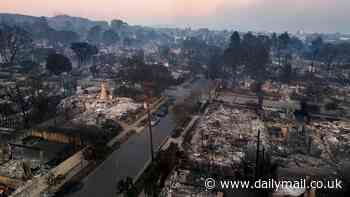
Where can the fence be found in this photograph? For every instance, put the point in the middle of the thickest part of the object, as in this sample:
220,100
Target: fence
11,122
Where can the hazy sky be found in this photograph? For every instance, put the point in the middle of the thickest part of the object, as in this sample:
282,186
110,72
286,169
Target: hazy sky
273,15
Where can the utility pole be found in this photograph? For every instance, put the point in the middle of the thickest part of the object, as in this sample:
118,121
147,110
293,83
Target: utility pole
146,87
257,156
262,169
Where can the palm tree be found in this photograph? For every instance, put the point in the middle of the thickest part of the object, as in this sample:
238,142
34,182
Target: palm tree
150,185
126,187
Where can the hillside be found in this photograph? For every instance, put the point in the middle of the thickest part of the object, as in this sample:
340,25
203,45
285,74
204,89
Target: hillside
60,22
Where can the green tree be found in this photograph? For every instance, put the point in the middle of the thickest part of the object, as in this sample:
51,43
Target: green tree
84,51
328,54
316,45
287,73
256,56
58,63
138,72
233,54
256,59
126,187
283,48
150,184
274,41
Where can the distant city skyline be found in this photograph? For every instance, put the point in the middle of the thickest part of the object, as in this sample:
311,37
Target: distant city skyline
244,15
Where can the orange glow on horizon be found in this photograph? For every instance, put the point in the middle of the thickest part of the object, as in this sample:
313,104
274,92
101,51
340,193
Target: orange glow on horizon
110,9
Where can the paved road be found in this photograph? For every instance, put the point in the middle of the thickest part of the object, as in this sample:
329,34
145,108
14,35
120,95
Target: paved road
130,158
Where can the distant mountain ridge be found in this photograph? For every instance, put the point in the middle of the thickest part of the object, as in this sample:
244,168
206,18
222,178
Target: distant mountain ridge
17,18
59,22
67,29
77,24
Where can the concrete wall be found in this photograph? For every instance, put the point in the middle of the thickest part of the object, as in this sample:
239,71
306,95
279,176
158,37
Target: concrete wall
38,185
68,164
56,137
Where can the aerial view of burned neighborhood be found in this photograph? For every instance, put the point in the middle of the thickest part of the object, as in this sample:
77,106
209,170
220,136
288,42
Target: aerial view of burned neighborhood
174,98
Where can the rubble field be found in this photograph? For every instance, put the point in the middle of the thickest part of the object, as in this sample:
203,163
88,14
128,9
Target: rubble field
223,133
90,106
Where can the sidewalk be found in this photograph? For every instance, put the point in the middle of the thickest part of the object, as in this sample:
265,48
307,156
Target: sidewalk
179,140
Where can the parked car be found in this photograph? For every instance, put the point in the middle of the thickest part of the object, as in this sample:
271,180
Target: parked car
164,108
123,116
163,111
154,121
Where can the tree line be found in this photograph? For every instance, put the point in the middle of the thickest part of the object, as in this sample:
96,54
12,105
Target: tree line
254,53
